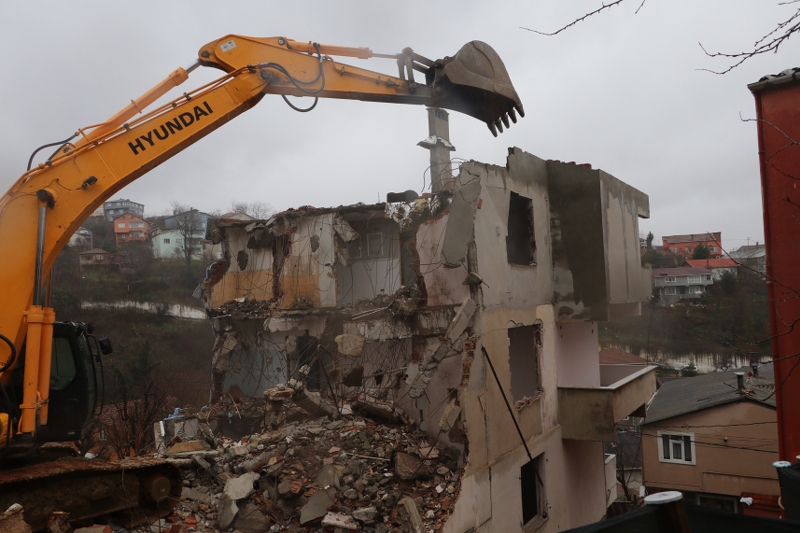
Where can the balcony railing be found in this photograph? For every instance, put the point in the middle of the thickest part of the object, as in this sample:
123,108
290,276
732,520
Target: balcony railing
591,413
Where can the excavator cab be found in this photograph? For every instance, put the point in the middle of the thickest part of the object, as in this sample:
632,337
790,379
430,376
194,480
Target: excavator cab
76,383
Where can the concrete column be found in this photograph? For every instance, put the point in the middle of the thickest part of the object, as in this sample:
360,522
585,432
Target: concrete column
438,142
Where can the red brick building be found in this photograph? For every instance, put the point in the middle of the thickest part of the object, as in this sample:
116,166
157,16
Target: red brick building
686,244
129,227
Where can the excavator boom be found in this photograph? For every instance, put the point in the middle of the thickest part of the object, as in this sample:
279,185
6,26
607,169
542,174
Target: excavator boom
49,202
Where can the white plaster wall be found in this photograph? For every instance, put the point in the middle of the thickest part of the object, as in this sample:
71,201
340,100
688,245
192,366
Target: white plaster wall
627,280
491,498
444,286
258,362
513,286
323,259
258,258
577,354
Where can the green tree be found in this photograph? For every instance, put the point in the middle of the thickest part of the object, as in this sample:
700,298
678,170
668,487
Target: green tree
650,240
701,251
109,244
728,282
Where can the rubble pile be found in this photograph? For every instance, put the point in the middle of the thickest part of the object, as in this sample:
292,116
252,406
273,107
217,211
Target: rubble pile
331,471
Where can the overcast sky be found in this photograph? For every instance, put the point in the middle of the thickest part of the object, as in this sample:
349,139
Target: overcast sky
622,91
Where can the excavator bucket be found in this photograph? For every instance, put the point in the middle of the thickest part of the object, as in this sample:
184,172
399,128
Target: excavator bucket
475,82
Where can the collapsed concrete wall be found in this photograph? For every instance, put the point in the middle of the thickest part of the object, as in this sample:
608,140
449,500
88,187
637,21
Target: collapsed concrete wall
398,309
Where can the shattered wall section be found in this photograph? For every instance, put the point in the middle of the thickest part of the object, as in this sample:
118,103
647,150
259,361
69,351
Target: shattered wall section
370,264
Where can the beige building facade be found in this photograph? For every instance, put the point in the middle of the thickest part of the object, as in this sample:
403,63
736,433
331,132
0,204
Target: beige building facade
447,307
716,444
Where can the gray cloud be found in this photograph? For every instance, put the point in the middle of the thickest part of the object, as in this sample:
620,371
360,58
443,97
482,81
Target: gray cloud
620,91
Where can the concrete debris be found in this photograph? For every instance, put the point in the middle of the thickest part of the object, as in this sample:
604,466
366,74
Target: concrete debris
317,505
347,472
190,446
460,224
13,521
350,345
241,487
340,520
344,230
410,514
227,512
251,519
311,401
379,409
453,341
93,529
449,416
58,522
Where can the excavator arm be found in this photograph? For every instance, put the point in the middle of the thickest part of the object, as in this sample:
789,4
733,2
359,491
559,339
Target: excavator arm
50,202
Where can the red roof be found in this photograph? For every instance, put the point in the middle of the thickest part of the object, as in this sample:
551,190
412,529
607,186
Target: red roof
724,262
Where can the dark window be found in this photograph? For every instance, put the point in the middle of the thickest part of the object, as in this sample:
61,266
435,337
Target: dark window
62,367
524,345
533,500
520,243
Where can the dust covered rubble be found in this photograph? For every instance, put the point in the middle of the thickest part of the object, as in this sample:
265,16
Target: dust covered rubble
336,472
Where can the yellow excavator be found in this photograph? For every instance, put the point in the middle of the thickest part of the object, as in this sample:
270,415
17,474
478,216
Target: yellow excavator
50,376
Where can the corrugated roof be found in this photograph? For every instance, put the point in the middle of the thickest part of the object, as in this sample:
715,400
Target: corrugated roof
684,396
680,271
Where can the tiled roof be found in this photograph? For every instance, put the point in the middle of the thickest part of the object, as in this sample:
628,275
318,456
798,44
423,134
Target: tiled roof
724,262
680,271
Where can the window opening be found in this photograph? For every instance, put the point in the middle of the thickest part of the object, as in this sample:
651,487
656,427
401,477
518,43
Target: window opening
676,448
520,242
524,346
534,504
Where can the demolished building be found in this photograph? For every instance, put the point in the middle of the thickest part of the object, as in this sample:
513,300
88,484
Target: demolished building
444,310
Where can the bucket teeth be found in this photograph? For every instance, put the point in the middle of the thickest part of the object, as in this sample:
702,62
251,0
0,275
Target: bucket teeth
475,82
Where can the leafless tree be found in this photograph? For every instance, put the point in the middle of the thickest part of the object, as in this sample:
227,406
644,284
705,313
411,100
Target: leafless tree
258,210
190,226
770,42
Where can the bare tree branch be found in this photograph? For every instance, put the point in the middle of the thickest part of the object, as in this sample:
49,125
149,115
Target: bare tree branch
581,19
770,42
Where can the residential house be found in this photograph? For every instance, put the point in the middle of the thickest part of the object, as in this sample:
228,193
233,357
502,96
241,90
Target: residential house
192,219
714,437
686,244
446,306
751,256
82,238
671,285
130,228
114,208
169,243
718,267
97,257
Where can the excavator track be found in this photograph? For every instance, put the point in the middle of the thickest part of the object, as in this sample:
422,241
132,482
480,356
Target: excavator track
135,490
